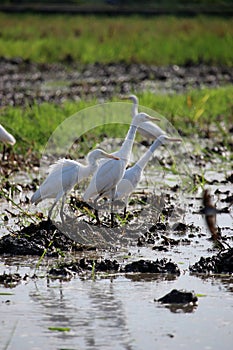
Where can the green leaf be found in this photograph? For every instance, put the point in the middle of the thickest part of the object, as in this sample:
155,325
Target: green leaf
59,329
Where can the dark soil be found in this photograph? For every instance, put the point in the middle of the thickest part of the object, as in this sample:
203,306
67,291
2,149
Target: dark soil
35,239
112,266
10,280
82,265
158,266
220,263
178,297
23,82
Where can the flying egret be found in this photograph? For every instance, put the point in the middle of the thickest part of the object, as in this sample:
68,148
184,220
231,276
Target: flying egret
147,129
109,173
133,175
6,137
63,176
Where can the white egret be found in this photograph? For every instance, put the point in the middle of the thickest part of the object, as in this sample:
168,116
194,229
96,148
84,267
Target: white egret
133,175
147,129
64,175
109,173
6,138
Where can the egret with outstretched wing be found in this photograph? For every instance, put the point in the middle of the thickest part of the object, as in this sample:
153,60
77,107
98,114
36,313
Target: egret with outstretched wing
64,175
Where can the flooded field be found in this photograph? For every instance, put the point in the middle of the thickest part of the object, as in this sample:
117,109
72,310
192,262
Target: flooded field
78,285
103,301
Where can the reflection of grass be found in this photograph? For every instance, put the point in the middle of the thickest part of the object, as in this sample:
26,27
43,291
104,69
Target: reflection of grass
156,40
33,126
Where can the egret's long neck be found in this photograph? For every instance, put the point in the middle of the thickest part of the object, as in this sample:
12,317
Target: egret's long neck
91,166
89,169
126,148
142,162
134,109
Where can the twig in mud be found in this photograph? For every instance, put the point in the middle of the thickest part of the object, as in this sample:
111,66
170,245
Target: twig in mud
44,252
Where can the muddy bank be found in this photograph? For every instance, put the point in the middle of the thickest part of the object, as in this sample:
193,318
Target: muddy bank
23,82
219,263
37,239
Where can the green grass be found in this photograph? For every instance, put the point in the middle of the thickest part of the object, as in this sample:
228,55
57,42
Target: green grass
59,329
192,113
154,40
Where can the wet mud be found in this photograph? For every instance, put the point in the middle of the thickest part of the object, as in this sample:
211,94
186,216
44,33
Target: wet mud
178,297
54,239
35,239
219,263
24,82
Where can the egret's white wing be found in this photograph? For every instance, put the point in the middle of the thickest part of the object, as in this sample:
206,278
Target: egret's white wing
62,164
61,179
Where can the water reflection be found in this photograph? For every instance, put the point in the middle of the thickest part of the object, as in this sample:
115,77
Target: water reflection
148,277
179,308
107,316
95,315
221,280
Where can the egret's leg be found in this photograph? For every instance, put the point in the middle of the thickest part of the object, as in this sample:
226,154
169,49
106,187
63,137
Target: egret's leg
3,152
112,213
62,208
96,212
112,219
125,208
51,209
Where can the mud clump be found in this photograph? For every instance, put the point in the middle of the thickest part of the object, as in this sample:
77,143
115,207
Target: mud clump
10,279
79,267
158,266
178,297
82,266
220,263
35,239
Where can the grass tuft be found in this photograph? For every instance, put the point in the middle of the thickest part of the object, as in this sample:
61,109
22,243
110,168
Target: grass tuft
191,113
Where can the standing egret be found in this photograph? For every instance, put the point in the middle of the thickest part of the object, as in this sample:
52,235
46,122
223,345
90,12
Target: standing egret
109,173
147,129
63,176
6,137
133,174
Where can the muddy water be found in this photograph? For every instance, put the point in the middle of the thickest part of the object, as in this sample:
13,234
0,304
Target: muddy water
116,313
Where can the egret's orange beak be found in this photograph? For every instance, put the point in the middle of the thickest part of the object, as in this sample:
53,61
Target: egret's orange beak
113,157
153,119
174,139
